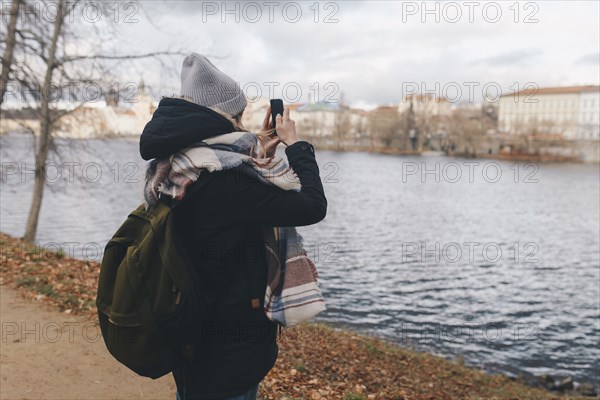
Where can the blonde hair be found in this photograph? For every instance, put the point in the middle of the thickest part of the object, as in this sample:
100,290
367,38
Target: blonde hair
237,122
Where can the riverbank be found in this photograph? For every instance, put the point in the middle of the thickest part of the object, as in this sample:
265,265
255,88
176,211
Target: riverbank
499,147
510,157
316,361
557,151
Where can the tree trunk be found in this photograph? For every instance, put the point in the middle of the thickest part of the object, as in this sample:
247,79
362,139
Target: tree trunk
45,130
7,57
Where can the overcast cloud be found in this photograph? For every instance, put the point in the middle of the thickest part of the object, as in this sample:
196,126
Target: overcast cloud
375,46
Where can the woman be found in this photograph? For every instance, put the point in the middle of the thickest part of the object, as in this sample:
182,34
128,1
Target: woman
221,221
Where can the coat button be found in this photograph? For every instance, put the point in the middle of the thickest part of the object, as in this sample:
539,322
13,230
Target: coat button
303,147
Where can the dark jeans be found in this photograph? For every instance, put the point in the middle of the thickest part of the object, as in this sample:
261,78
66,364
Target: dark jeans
249,395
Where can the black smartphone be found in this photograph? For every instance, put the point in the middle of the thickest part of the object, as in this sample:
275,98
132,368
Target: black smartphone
276,108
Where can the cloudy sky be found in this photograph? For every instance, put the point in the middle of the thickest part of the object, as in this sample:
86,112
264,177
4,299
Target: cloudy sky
373,51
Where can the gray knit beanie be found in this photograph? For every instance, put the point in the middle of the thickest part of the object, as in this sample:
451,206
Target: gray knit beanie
208,86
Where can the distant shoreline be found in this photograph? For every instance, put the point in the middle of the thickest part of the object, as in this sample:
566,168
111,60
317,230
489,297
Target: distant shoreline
515,157
500,157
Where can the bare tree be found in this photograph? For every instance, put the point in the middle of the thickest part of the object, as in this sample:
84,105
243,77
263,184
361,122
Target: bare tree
467,128
358,127
385,126
7,57
45,127
48,62
341,126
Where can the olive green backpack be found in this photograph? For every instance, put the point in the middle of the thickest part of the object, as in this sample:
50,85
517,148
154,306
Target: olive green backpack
150,300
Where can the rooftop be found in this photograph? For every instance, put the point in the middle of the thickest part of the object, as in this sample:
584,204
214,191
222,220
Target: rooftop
556,90
294,106
391,108
425,97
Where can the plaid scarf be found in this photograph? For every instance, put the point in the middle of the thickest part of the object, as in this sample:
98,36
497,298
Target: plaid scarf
292,295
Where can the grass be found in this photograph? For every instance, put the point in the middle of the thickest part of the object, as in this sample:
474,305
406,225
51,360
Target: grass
47,290
27,281
352,396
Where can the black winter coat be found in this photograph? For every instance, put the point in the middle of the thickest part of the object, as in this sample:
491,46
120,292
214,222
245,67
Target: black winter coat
221,223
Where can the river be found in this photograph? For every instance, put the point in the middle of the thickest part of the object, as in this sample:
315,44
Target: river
495,261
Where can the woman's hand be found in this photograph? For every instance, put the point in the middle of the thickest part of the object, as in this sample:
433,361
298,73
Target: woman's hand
267,125
269,142
286,128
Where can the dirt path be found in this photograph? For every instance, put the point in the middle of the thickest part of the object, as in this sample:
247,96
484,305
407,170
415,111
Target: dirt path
45,354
